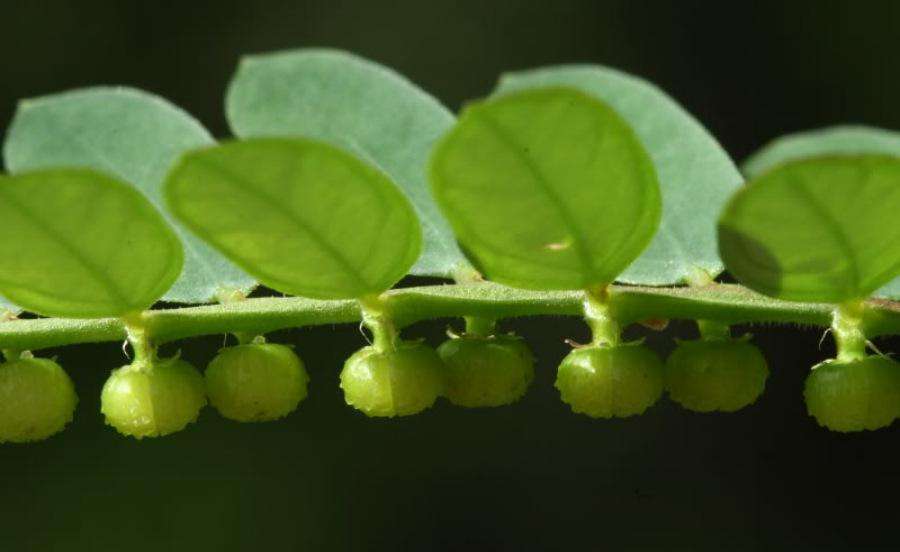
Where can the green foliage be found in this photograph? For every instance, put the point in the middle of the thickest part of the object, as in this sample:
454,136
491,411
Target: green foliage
822,229
854,395
486,371
85,245
716,374
610,382
840,140
696,176
361,106
555,185
153,398
135,137
547,189
256,382
302,216
398,382
37,399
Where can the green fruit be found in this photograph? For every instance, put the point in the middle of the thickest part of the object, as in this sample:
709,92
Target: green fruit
256,382
606,382
486,371
716,374
152,399
37,399
401,382
854,395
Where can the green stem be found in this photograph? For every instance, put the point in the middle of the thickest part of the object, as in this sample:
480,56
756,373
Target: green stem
139,337
479,326
710,329
725,303
847,327
377,317
598,313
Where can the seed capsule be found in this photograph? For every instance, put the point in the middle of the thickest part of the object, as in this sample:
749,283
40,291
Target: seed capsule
716,374
37,400
256,382
854,395
486,371
401,382
606,382
152,399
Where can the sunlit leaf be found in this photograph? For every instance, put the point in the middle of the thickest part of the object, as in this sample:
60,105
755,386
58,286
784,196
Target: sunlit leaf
134,136
78,243
822,229
696,176
303,217
839,140
547,189
360,106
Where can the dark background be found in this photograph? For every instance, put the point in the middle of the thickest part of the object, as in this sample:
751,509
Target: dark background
528,477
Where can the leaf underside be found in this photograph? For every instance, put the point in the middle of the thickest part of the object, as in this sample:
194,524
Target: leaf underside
360,106
134,136
696,176
65,256
302,216
838,140
819,230
547,189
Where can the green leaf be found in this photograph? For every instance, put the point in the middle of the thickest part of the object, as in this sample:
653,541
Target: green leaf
134,136
304,217
360,106
81,244
839,140
547,189
819,230
696,176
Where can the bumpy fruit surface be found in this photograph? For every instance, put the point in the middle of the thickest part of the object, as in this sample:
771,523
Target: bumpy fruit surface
154,398
606,382
256,382
37,399
854,395
716,374
401,382
486,371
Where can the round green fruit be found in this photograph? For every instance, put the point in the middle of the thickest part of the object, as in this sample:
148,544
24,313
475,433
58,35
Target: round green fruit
401,382
37,400
151,399
854,395
716,374
256,382
606,382
486,371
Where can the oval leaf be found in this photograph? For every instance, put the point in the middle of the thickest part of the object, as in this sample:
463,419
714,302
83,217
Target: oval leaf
360,106
304,217
134,136
822,230
547,189
839,140
696,176
81,244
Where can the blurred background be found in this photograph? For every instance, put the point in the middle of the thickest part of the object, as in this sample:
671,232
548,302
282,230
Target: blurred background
528,477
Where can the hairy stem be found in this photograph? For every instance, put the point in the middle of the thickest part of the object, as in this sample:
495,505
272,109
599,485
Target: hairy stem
724,303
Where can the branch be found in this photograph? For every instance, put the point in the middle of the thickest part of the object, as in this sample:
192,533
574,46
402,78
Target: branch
726,303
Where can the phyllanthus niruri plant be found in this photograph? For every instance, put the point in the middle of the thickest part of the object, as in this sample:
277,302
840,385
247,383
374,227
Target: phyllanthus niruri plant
570,190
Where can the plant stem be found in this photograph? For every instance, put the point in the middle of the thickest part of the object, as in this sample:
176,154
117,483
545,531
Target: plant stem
377,317
598,313
847,327
724,303
710,329
479,326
